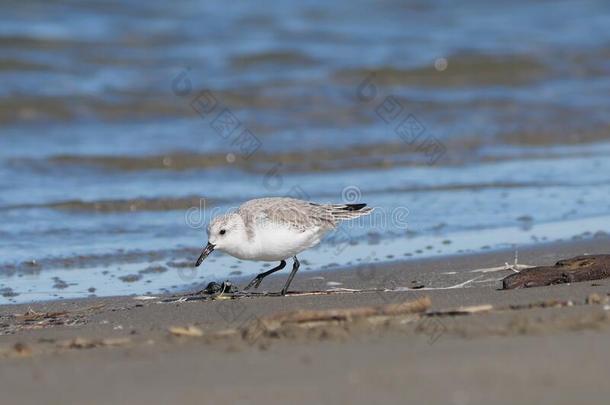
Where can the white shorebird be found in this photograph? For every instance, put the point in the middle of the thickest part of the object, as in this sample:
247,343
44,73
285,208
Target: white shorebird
275,229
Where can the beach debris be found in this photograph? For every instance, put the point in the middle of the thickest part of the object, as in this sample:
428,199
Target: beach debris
419,305
22,349
12,323
515,267
189,331
82,343
580,268
325,323
595,299
218,288
33,316
19,349
467,310
227,291
542,304
333,283
36,320
463,284
341,289
213,291
273,325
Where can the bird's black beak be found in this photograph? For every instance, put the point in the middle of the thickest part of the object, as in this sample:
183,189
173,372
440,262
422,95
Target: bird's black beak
209,248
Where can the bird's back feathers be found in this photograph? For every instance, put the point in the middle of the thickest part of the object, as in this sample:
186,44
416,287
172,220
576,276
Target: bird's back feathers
299,214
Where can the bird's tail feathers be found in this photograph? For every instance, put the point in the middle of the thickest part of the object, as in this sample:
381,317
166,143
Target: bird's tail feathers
349,211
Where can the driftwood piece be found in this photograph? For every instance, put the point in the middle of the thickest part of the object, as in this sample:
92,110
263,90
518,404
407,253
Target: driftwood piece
580,268
469,310
419,305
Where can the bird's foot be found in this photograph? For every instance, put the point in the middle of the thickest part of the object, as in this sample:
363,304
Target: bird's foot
256,281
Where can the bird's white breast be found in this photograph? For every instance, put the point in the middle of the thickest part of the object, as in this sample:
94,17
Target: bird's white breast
274,242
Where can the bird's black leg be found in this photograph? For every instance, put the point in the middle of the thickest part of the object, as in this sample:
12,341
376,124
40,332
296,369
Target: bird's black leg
295,267
256,281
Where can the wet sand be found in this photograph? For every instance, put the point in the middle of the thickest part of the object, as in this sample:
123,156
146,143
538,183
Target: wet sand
538,345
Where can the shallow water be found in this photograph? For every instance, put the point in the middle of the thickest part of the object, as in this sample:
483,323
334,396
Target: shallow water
473,128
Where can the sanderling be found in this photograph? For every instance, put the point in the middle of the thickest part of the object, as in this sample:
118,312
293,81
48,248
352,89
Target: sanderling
275,229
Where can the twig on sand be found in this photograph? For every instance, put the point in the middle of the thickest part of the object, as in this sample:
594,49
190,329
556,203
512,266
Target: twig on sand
320,320
190,331
419,305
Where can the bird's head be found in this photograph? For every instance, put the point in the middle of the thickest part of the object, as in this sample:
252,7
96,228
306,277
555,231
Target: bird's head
225,233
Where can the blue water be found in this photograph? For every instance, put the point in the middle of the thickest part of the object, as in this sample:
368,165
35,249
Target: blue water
109,166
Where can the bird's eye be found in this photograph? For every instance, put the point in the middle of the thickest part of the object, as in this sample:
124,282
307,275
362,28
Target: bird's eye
222,231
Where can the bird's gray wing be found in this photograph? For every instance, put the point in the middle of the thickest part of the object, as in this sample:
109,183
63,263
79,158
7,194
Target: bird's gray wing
289,212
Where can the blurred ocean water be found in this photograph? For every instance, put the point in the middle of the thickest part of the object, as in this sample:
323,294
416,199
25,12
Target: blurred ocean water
125,125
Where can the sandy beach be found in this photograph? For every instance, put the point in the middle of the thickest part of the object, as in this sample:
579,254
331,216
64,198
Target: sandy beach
474,344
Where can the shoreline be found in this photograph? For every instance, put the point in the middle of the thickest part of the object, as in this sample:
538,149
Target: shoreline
154,272
356,275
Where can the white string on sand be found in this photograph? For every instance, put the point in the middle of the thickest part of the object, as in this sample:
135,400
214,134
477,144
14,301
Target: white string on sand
515,267
459,285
